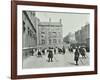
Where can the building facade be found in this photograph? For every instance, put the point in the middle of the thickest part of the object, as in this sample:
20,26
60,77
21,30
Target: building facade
50,34
78,36
29,38
40,34
70,38
83,35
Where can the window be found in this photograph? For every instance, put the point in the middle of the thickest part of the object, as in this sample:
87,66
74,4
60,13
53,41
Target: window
28,31
49,41
24,26
54,41
42,41
33,13
42,34
54,34
59,41
49,34
31,33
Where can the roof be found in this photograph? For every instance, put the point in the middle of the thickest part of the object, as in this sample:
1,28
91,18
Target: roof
57,24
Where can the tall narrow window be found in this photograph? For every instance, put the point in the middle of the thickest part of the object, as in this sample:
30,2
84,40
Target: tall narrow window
28,31
54,34
59,41
54,41
49,41
42,41
24,27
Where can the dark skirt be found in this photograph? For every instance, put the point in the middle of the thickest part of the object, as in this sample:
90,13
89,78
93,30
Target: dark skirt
76,58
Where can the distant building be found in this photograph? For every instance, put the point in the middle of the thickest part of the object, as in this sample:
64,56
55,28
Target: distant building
49,34
83,35
70,38
78,36
29,38
86,34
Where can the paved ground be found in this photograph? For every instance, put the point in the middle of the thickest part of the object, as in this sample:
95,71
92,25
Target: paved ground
59,60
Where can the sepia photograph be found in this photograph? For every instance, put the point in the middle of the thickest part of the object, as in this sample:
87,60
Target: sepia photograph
55,39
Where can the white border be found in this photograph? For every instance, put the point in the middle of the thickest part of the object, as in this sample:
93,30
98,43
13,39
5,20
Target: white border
21,71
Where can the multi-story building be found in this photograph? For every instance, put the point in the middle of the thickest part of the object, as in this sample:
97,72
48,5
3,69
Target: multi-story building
78,36
70,38
50,34
86,34
29,38
40,34
83,35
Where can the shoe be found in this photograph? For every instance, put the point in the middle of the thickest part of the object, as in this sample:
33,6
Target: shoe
77,64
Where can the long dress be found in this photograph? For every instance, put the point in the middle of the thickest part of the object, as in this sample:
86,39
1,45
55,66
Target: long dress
76,57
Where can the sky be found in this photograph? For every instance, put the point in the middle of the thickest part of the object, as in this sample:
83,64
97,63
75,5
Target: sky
71,21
